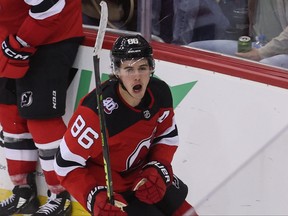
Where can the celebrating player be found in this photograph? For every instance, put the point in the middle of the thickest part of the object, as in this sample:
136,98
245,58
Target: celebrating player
142,138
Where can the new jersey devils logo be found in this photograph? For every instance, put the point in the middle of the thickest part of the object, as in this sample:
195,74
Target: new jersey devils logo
26,99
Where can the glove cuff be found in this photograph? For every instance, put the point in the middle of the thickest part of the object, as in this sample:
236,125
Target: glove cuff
12,49
164,171
21,42
92,196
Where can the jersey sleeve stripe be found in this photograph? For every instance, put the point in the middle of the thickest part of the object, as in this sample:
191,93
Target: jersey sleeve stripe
169,136
70,156
170,139
170,129
63,167
67,155
45,8
66,161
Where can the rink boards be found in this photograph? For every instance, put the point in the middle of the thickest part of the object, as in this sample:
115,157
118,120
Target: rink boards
232,121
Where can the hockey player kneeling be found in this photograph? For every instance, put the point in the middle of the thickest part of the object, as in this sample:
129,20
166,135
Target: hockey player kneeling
142,137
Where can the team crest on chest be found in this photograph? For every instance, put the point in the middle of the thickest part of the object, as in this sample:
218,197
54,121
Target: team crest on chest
109,105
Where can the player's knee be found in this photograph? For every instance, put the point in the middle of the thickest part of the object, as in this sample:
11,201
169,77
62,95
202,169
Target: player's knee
46,130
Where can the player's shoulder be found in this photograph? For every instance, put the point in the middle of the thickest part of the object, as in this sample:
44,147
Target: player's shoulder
90,100
161,91
157,81
158,85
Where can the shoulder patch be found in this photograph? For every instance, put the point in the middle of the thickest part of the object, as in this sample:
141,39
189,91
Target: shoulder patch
109,105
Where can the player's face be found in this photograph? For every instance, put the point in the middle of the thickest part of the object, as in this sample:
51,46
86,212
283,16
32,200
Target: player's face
135,75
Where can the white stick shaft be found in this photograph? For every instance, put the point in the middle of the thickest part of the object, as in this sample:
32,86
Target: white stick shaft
102,28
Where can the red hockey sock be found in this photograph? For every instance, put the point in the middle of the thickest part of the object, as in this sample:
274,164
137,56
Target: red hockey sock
47,135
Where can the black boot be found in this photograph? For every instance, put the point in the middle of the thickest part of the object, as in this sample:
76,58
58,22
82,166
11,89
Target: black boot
57,205
23,199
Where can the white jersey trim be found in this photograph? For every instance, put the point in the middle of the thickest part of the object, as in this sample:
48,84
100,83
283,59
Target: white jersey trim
69,156
55,9
171,141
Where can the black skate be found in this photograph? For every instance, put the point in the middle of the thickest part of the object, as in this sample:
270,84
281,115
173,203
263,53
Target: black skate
57,205
22,201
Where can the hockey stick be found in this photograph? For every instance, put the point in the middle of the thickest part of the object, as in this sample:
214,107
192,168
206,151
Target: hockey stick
96,61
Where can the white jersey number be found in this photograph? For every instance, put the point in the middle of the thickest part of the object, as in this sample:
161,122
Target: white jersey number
86,134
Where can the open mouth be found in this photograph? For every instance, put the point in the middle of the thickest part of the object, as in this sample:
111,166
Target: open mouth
137,88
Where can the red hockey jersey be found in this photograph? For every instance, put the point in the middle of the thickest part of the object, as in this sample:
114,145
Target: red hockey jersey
136,135
41,22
